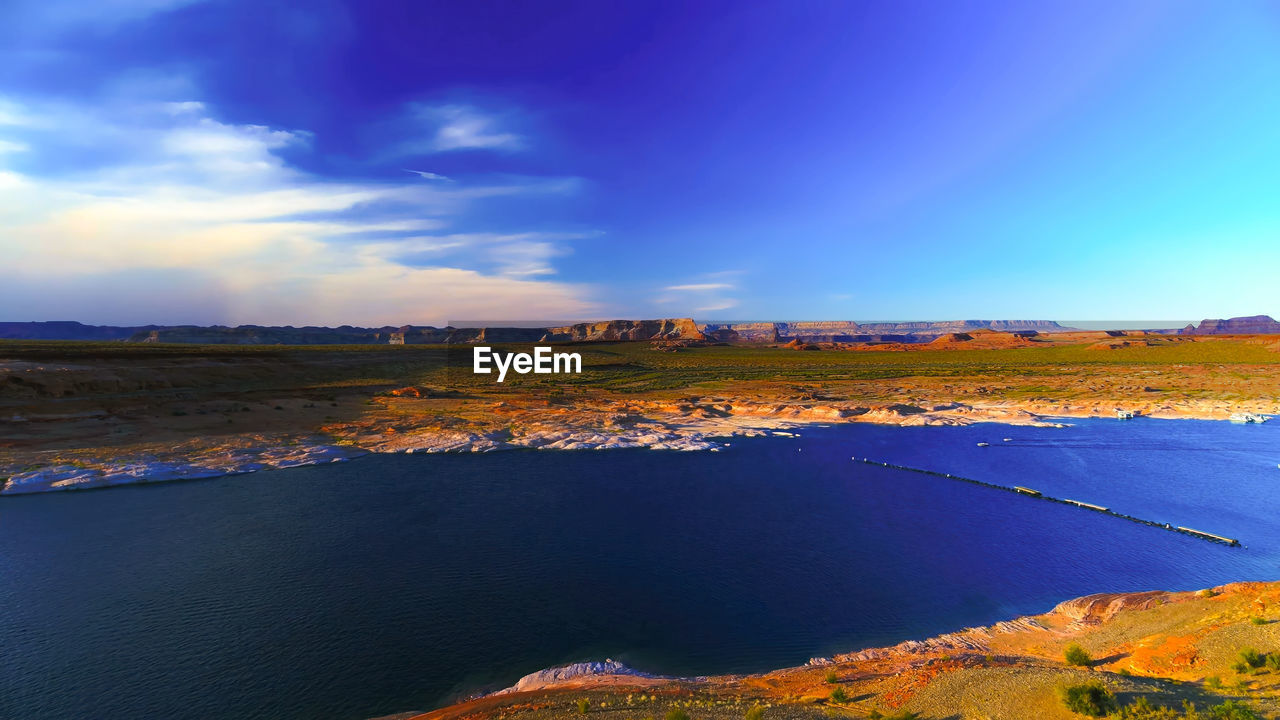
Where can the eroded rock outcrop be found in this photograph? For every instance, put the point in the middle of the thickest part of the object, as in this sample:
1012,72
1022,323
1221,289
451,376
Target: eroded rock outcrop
568,674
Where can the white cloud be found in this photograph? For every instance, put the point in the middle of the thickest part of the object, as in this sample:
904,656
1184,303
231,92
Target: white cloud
717,305
184,107
8,146
460,127
700,297
211,215
429,175
12,113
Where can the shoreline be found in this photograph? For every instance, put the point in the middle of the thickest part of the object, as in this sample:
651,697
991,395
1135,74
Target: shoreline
636,424
1165,644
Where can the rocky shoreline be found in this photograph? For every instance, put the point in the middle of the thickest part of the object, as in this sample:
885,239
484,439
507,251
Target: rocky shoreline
689,426
1170,647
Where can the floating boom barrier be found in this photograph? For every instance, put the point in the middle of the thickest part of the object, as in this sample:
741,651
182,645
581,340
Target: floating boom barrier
1028,492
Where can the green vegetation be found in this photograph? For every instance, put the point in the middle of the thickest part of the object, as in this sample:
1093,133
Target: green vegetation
755,713
1229,710
1258,621
1076,655
676,714
583,705
1251,658
839,696
1144,709
1090,698
637,367
900,715
831,676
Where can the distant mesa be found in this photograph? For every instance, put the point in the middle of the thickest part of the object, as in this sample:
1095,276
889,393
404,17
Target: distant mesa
672,329
843,331
1252,325
620,330
666,331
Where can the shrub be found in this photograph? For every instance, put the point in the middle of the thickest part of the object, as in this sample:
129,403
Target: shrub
1076,655
1213,681
1251,657
583,705
1091,698
1258,621
755,713
831,676
676,714
1142,709
839,696
1273,661
1240,667
1232,710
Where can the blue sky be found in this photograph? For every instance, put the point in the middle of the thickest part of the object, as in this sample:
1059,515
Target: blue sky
218,161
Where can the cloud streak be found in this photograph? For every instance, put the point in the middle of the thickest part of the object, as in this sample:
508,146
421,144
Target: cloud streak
429,175
701,297
699,287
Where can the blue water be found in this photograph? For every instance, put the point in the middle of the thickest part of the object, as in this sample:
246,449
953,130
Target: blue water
394,583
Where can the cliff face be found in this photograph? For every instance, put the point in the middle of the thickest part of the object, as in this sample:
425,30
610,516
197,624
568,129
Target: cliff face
763,332
619,330
1252,325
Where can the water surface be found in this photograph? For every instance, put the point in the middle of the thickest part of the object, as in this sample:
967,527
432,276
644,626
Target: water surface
396,582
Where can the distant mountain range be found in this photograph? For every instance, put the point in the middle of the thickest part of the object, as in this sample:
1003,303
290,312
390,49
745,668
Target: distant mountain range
613,330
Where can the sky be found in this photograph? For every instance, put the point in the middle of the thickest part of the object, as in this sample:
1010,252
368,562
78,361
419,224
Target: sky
379,162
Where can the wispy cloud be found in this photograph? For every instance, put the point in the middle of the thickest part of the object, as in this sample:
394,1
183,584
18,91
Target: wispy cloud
709,294
699,287
461,127
429,175
517,255
185,218
46,15
718,305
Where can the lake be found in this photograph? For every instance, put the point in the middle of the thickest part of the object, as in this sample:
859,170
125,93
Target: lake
395,583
